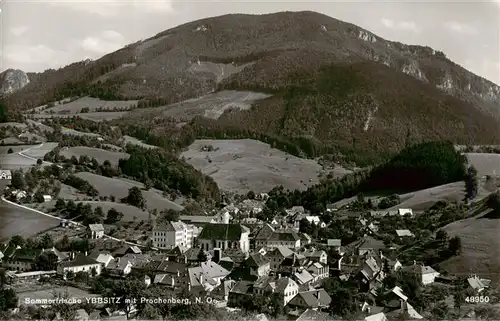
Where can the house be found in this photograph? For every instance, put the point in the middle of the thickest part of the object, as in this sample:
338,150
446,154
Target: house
95,231
240,293
405,211
288,238
478,284
197,220
315,220
335,243
263,234
262,196
406,308
21,259
303,276
5,174
47,198
311,299
120,267
316,256
127,249
19,195
292,264
377,317
102,257
295,210
80,263
404,233
173,234
428,274
318,270
278,255
331,208
314,315
371,274
305,239
258,264
208,275
285,287
370,244
224,236
221,292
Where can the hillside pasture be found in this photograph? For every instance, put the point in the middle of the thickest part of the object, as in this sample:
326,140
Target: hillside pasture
100,155
69,131
119,189
93,104
13,124
211,106
129,211
485,164
11,141
246,164
480,247
39,151
134,141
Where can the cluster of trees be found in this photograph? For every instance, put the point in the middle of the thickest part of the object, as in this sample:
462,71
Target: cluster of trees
81,185
135,198
84,212
164,171
419,166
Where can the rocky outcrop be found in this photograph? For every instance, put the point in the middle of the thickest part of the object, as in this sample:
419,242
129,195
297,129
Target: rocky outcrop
11,80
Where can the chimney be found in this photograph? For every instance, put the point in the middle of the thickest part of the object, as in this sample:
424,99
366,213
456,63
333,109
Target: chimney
201,279
85,253
189,286
279,276
178,273
368,309
185,259
173,281
217,255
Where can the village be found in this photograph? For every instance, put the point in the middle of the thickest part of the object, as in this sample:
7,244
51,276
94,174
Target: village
346,261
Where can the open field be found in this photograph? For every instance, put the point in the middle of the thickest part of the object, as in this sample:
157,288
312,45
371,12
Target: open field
211,105
486,164
70,193
18,221
100,155
92,104
480,247
15,161
16,149
13,124
94,116
246,164
39,151
11,141
41,127
119,188
221,71
70,131
128,211
134,141
49,293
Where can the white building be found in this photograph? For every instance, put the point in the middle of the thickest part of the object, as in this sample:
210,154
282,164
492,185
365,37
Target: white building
96,231
47,198
428,275
81,263
224,236
173,234
5,174
288,239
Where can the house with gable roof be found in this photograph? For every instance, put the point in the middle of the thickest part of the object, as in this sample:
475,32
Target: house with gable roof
95,231
311,299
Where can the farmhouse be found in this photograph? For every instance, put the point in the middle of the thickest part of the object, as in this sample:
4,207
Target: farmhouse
5,174
96,231
81,263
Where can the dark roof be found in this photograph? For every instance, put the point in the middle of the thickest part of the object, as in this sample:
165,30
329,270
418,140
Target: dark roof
264,233
26,255
196,218
228,232
192,253
256,260
371,243
315,298
79,260
171,267
284,236
242,287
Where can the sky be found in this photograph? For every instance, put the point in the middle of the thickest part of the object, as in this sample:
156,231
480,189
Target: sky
37,34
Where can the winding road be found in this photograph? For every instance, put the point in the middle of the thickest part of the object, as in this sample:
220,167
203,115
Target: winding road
21,153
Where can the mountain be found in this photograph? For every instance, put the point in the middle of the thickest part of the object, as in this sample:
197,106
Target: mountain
335,87
12,80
